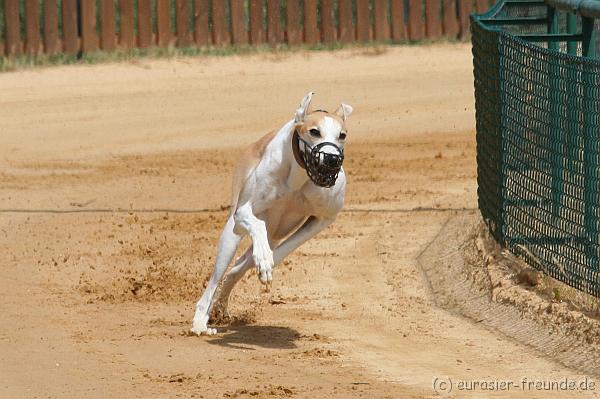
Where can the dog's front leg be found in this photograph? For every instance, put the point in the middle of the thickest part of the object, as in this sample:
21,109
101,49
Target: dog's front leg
246,221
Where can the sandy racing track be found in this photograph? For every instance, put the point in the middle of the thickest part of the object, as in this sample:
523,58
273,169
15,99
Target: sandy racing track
113,185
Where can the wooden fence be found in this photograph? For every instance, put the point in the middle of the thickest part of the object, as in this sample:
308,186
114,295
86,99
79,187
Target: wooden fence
73,26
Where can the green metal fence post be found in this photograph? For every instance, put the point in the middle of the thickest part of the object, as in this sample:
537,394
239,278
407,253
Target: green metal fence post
552,25
572,29
591,137
572,111
487,69
556,134
589,37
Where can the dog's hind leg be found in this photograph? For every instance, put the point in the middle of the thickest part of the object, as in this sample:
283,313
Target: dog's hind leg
243,264
309,229
228,244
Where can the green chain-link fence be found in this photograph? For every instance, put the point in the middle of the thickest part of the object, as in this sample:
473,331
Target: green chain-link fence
537,96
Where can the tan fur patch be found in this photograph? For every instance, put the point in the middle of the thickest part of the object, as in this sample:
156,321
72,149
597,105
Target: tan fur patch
313,119
249,160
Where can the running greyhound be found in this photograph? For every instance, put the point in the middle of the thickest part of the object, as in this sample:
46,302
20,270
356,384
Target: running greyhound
287,187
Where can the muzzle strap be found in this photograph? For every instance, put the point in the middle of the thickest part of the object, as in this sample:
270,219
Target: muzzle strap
296,150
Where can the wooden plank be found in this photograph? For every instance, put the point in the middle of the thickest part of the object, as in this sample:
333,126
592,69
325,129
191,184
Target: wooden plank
50,27
108,38
382,26
201,32
328,31
32,27
257,31
12,27
450,20
221,35
163,23
238,23
346,25
311,29
294,30
274,31
87,29
127,36
144,23
415,20
70,27
465,7
481,6
433,23
398,25
182,19
89,37
363,22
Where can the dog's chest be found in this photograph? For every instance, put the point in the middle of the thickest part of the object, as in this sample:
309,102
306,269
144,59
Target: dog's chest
308,200
296,199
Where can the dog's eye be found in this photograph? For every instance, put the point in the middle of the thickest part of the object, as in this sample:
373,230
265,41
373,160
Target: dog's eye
342,136
315,132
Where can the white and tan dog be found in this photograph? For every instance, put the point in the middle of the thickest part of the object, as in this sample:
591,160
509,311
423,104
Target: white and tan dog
287,187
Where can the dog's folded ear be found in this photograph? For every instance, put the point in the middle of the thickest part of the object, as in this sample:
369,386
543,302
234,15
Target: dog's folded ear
344,111
303,109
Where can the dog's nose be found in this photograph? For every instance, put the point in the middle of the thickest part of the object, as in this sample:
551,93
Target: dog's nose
331,160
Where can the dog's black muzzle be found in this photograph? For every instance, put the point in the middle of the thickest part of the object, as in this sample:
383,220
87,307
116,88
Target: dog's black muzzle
322,162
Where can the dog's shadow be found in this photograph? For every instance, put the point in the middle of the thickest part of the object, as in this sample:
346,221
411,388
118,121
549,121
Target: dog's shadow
247,336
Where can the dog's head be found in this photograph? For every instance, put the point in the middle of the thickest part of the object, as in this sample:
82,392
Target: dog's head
319,126
319,139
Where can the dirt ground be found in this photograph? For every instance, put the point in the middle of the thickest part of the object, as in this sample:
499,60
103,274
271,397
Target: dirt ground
113,185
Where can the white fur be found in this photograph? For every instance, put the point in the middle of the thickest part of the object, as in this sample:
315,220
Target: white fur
279,207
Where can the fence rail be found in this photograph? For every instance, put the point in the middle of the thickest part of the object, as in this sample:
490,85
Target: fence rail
73,26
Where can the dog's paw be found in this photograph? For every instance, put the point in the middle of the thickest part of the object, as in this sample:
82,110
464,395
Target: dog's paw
203,330
263,259
200,325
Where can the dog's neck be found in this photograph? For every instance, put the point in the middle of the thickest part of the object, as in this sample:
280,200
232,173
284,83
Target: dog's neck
297,176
